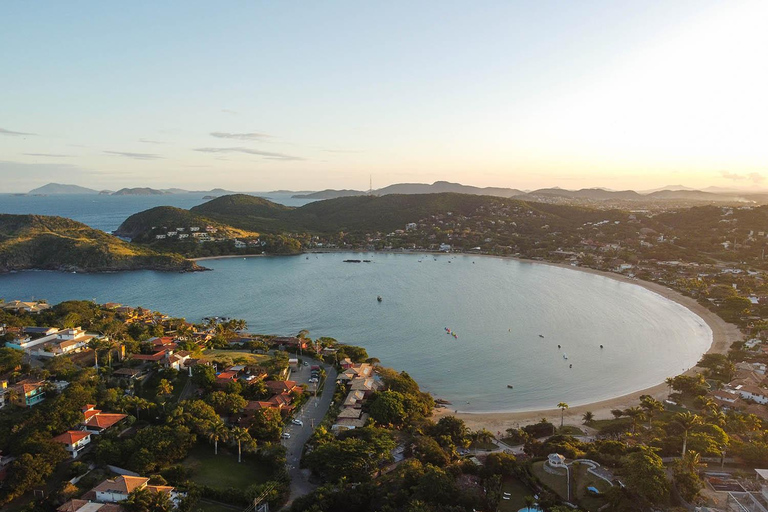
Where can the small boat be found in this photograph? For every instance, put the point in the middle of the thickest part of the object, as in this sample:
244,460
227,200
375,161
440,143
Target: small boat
510,386
565,356
541,335
601,346
379,298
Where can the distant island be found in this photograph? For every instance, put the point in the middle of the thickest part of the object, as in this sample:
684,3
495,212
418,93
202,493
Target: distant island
56,243
69,189
61,189
140,191
555,194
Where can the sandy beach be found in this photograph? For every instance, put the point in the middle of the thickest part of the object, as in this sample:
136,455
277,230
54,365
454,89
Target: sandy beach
723,335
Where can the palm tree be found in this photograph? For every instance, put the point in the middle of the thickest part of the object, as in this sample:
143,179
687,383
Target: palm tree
687,421
217,432
97,344
588,417
136,402
651,407
562,406
636,414
241,435
165,387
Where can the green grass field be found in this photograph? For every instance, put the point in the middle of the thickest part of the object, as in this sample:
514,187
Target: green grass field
234,356
517,492
557,483
222,470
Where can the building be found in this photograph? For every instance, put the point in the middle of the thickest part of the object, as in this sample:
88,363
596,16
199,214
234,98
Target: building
97,422
28,392
74,441
118,489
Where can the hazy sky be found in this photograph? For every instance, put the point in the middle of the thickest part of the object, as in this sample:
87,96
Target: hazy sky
257,95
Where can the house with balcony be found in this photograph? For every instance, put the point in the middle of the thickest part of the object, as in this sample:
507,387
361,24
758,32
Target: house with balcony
28,392
74,441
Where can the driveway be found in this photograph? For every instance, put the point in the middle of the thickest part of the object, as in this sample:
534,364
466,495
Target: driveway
311,415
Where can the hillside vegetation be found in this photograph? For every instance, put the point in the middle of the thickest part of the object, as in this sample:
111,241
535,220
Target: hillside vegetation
56,243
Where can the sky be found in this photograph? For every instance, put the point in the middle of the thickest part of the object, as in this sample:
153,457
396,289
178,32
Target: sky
306,95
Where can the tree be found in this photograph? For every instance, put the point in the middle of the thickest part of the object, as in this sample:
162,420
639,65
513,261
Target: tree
165,388
588,417
217,432
451,429
387,408
686,475
145,500
644,475
134,402
226,403
636,414
562,406
203,376
10,359
242,436
687,421
651,406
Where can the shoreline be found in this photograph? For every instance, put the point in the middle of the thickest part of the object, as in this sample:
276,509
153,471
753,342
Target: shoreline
723,335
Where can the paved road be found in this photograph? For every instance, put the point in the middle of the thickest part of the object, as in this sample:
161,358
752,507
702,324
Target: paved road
311,414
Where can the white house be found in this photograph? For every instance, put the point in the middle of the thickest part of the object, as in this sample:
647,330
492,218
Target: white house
118,489
556,460
74,441
750,392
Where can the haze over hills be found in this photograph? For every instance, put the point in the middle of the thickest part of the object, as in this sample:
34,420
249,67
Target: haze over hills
61,189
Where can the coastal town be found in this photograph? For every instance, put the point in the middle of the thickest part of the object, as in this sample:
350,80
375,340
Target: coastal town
147,412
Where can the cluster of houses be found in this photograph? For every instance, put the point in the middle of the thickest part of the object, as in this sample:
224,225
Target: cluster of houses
106,496
744,392
17,306
27,392
94,422
360,382
50,341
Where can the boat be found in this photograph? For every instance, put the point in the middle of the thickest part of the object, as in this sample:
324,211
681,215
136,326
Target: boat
541,335
565,356
510,386
379,298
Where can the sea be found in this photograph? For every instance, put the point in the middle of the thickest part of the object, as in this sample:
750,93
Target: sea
534,327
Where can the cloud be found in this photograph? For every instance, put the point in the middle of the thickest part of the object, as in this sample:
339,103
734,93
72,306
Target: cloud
266,154
149,141
342,151
52,155
227,111
754,177
11,133
240,136
137,156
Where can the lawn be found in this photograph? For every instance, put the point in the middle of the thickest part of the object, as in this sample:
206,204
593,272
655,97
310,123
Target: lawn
517,492
234,356
570,430
585,479
557,483
222,470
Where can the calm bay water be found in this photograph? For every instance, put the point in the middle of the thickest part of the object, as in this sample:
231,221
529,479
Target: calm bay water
498,307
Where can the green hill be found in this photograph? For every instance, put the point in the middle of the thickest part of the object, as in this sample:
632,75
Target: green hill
56,243
354,214
142,226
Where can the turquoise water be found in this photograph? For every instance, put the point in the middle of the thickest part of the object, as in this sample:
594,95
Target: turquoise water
497,307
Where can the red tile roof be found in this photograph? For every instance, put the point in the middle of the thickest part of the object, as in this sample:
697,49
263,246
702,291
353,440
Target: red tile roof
102,420
71,436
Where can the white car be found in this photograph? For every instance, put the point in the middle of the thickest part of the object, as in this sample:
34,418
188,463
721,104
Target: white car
286,435
298,422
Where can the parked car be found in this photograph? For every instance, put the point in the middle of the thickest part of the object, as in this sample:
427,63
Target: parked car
286,435
297,422
306,363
